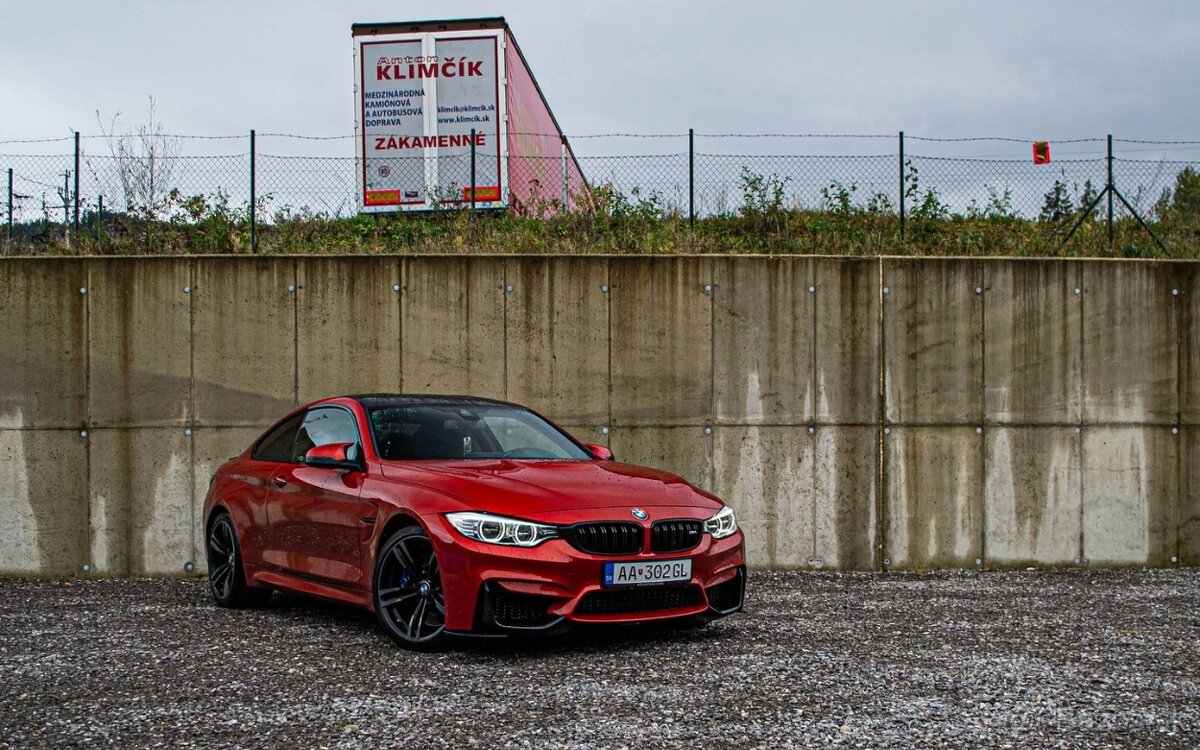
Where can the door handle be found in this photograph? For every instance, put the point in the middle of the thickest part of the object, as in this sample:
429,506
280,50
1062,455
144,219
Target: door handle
280,481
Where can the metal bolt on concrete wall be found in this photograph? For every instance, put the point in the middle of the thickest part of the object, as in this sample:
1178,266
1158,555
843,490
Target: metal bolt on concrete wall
707,430
291,287
811,288
604,288
187,290
508,288
83,433
812,430
708,288
188,432
83,290
603,430
887,430
887,290
188,567
1078,291
395,287
1174,292
87,568
979,290
978,430
1174,430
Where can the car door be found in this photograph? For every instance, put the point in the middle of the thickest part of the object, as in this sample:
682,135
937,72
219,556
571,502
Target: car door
313,512
257,477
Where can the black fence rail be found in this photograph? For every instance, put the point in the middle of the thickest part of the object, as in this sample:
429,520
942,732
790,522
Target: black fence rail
55,185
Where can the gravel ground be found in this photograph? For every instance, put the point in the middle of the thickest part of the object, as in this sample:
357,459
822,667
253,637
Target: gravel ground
1023,659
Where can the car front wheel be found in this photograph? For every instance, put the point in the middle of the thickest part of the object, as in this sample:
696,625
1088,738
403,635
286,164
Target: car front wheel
408,590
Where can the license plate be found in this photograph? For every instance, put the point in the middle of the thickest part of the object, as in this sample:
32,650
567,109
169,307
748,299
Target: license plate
639,573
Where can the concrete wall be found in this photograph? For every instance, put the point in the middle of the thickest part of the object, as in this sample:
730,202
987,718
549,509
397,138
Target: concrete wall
858,413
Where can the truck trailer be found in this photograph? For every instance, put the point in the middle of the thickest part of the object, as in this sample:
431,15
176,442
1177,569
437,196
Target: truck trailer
448,115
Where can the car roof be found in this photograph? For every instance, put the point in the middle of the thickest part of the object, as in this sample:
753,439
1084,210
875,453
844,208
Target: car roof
377,400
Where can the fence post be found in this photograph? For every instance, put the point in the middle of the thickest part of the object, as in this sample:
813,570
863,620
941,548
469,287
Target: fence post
566,200
1109,190
902,186
692,179
10,203
472,173
253,207
76,220
99,216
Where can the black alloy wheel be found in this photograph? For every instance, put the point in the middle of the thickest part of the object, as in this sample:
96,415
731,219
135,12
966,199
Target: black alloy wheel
408,590
226,580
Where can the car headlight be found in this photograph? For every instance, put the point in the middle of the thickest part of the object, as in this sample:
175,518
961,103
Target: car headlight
484,527
721,525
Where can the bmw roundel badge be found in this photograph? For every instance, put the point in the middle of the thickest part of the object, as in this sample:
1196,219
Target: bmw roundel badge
640,514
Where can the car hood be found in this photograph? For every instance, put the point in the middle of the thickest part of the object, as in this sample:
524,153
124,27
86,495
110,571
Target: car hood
539,490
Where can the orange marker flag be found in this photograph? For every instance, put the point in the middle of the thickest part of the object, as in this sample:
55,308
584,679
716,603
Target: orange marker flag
1041,152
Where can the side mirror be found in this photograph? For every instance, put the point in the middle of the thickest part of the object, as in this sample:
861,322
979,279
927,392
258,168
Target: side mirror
599,451
334,456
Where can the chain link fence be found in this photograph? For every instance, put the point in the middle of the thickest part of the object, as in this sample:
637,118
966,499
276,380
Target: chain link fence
58,182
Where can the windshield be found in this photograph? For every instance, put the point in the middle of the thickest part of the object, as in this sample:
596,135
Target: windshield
456,431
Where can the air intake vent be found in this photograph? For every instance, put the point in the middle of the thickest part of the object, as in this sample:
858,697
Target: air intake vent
516,610
634,601
727,597
605,538
675,536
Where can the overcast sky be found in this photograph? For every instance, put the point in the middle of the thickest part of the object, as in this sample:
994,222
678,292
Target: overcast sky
945,68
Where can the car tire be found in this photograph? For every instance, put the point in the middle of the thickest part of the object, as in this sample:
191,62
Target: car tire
226,576
407,590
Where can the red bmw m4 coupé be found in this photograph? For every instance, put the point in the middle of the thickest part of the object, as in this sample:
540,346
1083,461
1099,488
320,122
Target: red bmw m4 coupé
454,515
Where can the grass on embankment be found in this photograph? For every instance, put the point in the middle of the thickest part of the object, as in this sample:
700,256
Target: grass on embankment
604,221
785,232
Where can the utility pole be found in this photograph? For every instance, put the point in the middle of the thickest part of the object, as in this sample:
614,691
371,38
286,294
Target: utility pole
76,201
1111,192
253,198
1109,189
692,180
66,196
472,174
902,186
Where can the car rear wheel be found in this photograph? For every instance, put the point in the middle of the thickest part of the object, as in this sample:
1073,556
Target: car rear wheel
226,580
408,590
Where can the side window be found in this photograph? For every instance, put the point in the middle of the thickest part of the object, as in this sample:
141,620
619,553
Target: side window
277,445
322,427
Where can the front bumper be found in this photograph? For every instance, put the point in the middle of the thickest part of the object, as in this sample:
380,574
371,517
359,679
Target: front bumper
501,610
496,589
